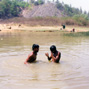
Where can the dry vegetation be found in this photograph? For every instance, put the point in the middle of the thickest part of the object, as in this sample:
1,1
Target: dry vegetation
47,21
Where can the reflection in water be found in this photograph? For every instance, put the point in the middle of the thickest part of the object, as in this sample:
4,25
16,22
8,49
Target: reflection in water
71,73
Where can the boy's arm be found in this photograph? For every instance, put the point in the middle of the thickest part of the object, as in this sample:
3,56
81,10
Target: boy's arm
27,59
57,57
49,58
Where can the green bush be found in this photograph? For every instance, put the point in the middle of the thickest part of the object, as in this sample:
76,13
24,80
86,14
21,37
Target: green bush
39,2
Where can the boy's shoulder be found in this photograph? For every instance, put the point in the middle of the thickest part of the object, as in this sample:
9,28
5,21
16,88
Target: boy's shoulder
31,54
59,52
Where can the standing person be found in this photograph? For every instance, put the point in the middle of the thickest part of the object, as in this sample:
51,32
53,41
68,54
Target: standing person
55,55
33,55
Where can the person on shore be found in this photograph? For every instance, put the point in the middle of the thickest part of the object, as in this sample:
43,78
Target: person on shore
32,56
73,30
55,55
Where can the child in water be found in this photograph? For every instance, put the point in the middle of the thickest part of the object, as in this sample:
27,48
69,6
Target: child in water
32,56
55,55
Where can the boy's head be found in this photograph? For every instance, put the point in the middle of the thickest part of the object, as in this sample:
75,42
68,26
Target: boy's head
53,49
35,47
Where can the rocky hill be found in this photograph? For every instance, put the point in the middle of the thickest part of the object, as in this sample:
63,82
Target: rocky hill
45,10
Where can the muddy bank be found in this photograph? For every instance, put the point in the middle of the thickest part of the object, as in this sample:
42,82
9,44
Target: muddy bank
11,27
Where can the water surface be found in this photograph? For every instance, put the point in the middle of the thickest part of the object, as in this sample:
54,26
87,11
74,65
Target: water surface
71,73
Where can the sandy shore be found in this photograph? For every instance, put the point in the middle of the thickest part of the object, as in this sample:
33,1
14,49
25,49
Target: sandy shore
20,27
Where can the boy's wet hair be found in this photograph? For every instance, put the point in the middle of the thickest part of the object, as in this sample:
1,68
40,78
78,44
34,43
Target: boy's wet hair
35,46
53,48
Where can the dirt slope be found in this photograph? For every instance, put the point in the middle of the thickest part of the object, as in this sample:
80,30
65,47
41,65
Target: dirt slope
45,10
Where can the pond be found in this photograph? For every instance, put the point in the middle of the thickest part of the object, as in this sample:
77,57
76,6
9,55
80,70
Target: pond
71,73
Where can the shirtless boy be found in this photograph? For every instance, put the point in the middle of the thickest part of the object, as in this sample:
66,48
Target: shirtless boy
32,56
55,55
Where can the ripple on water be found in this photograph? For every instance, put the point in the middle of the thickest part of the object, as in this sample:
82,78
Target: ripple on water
71,73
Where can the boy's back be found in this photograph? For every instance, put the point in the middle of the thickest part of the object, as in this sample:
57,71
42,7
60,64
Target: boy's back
32,56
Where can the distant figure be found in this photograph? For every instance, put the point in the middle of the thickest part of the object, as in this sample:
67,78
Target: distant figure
73,30
55,55
0,30
32,56
63,26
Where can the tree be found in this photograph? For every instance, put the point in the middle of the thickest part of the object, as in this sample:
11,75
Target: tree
81,10
57,1
39,2
10,8
85,12
88,14
59,6
32,1
2,9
